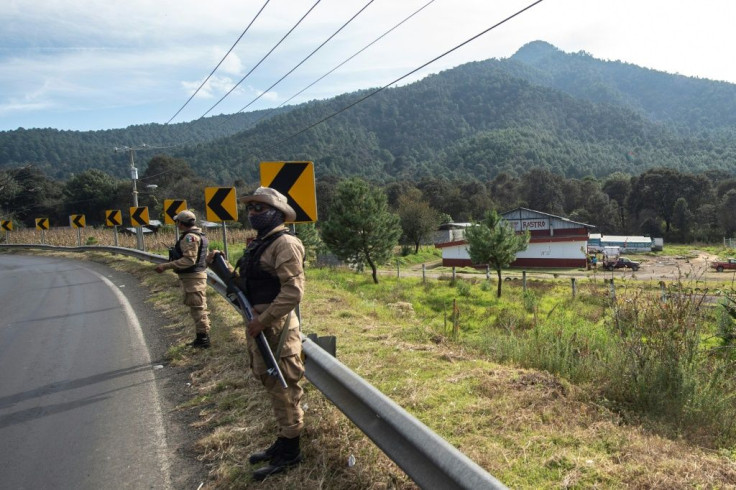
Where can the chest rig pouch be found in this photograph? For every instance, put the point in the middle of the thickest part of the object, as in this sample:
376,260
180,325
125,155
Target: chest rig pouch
259,286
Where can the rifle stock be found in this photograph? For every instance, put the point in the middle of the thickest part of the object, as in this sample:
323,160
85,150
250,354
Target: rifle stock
236,295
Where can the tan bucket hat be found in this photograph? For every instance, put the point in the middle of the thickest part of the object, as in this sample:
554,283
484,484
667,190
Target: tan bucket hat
185,216
273,198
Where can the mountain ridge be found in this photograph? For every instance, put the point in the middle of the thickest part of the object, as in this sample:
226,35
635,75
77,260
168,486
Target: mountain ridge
568,113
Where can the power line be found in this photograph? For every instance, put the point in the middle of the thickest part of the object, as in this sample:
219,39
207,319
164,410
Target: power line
353,104
348,59
309,55
262,59
218,64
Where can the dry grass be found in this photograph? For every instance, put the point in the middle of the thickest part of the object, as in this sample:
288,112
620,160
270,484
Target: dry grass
68,237
527,428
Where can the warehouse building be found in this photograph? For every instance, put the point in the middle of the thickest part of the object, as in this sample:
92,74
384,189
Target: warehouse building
627,244
554,241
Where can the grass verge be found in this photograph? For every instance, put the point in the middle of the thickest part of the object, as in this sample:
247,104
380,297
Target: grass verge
429,347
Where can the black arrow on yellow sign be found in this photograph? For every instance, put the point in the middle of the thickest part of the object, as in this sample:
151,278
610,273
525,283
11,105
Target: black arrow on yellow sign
285,180
78,221
7,225
216,204
139,216
113,217
42,223
173,207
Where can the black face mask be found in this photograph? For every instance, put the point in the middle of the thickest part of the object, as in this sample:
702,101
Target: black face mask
266,221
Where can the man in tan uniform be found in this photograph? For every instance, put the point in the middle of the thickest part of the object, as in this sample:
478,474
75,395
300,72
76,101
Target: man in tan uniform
271,274
188,260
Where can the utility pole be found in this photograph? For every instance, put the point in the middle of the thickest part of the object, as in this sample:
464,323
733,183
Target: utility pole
134,177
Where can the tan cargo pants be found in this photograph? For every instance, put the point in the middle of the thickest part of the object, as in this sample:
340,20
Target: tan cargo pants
195,297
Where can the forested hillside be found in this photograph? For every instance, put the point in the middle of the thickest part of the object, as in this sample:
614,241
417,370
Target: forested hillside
570,114
484,118
60,154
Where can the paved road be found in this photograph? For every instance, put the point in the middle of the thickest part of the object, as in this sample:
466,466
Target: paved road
78,402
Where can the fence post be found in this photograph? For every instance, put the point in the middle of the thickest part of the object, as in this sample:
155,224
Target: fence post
523,281
574,286
663,288
613,290
453,273
455,321
424,273
488,273
398,269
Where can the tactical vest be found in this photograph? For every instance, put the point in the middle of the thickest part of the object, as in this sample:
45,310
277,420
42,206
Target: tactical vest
200,265
259,286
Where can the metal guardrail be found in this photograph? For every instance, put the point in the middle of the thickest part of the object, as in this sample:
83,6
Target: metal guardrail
428,459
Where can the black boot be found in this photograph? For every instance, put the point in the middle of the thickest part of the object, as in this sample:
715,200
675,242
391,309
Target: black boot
266,454
202,341
286,455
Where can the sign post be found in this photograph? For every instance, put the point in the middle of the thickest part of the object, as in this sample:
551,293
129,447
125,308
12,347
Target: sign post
139,218
43,225
7,225
222,206
114,218
78,221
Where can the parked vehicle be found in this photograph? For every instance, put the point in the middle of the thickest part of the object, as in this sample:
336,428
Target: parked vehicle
721,265
610,257
623,263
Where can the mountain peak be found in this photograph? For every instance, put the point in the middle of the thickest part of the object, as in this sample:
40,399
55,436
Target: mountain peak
535,51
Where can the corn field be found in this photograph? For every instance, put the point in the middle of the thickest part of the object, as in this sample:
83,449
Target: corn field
72,237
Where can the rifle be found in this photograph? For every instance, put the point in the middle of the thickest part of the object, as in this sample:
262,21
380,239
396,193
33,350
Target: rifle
219,267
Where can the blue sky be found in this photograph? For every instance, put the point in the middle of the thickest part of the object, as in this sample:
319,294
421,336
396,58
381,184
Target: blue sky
90,65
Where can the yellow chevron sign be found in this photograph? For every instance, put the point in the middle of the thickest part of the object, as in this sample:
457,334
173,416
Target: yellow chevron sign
221,204
172,207
139,216
77,221
42,224
6,225
295,180
113,217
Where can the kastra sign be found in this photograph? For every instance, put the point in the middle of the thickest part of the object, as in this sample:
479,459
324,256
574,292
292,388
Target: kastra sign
529,224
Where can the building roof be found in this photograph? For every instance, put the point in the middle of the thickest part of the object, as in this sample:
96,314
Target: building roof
561,218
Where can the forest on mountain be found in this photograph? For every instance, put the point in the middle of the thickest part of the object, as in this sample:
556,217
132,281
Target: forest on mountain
624,148
569,113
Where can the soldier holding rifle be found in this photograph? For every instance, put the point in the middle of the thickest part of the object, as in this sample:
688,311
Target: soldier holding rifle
271,275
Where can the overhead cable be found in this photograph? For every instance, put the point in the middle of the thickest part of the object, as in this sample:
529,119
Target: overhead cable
353,104
262,59
309,55
218,64
348,59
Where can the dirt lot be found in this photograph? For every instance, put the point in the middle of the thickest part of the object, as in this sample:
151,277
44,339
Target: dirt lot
694,266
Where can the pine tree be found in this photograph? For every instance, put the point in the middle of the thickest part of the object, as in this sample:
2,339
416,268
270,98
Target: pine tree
492,241
361,229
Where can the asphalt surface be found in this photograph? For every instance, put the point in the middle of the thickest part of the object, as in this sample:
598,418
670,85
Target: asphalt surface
85,400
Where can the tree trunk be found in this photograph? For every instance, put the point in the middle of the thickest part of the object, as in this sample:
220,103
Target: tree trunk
373,268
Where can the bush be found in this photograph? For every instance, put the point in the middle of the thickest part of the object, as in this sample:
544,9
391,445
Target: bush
663,366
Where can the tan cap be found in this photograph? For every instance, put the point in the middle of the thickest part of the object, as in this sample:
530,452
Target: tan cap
185,216
273,198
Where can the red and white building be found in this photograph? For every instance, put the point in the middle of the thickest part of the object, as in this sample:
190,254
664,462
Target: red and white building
554,242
